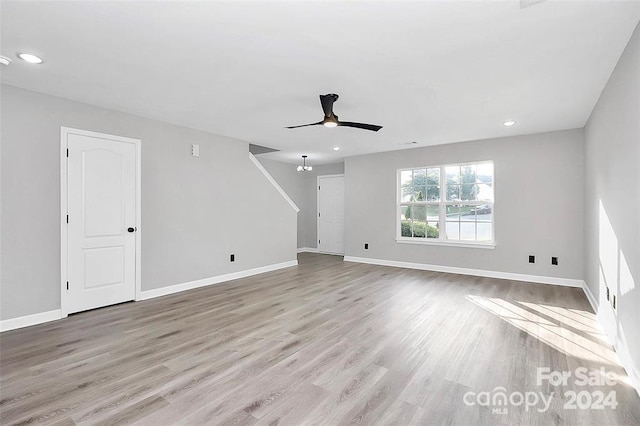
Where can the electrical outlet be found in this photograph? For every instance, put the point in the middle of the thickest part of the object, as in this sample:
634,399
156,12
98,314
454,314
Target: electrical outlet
232,258
366,246
532,259
554,260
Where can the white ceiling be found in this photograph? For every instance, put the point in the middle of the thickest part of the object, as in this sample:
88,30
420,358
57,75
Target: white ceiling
432,72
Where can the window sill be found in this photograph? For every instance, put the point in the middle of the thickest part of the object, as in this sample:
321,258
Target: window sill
489,246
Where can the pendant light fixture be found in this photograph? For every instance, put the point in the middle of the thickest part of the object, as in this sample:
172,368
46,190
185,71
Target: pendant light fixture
304,167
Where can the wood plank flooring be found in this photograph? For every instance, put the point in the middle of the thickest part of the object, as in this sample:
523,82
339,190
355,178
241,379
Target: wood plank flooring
326,342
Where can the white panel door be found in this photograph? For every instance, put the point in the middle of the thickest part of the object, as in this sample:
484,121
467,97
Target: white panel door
101,233
331,214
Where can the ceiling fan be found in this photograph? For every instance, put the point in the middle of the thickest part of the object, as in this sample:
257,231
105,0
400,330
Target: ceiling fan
331,120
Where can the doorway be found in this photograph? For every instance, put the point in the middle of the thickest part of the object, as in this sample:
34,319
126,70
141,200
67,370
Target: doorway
331,214
100,219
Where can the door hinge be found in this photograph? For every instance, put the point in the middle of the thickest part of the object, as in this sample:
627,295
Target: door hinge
318,241
67,152
67,285
318,187
67,218
318,214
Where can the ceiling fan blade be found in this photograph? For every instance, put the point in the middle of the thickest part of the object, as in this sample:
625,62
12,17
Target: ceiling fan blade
304,125
372,127
327,103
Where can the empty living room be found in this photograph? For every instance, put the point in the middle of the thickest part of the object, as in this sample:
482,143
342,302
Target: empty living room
320,212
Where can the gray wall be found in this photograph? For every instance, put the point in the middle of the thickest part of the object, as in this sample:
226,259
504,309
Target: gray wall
195,211
538,204
301,187
612,180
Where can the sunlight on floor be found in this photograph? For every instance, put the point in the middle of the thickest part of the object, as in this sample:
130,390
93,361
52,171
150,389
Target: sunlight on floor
571,331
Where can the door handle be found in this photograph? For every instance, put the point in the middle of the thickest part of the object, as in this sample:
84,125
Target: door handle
132,229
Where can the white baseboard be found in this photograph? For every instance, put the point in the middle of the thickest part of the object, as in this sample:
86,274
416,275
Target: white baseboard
176,288
590,297
28,320
307,250
567,282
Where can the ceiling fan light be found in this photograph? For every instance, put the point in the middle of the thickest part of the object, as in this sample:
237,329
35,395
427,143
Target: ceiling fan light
309,168
299,168
32,59
330,124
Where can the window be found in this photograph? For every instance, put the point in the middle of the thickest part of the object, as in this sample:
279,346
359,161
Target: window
446,204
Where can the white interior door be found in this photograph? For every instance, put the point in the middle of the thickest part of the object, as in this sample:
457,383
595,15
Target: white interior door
101,229
331,214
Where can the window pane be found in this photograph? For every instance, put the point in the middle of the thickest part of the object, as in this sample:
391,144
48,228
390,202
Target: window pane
468,192
403,212
453,192
467,231
453,175
467,213
453,212
433,176
416,213
433,230
453,230
485,192
406,185
468,174
433,193
433,213
405,223
484,213
419,228
484,172
484,231
405,177
419,185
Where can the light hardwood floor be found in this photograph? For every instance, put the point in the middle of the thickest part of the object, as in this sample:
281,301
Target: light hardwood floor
326,342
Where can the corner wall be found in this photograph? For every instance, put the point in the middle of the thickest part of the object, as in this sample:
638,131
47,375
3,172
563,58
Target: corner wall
612,206
538,199
195,211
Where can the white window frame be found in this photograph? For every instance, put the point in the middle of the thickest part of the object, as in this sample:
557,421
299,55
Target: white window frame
442,203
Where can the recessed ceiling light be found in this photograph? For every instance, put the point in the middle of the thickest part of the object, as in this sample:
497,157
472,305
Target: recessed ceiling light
4,60
509,123
32,59
336,148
